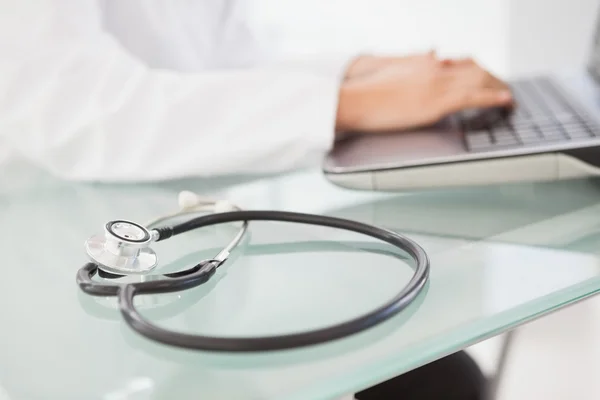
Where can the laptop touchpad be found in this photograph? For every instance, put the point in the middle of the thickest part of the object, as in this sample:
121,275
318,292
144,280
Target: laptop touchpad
401,148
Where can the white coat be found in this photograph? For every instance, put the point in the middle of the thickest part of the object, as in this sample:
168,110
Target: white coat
136,90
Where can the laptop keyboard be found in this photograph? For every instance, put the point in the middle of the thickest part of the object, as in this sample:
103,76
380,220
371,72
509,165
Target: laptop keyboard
543,115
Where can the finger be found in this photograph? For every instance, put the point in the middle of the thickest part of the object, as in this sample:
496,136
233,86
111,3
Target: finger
428,56
486,98
472,75
432,54
493,82
459,62
424,55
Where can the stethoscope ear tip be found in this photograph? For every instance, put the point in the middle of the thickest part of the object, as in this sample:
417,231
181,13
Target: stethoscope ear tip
187,199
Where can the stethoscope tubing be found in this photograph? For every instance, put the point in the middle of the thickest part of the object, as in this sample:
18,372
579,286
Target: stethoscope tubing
204,270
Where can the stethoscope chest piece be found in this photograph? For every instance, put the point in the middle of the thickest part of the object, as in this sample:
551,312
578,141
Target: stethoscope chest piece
123,248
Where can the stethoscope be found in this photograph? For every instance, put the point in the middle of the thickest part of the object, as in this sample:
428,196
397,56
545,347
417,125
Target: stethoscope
123,249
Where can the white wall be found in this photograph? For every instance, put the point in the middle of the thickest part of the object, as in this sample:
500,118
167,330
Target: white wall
455,27
511,37
549,34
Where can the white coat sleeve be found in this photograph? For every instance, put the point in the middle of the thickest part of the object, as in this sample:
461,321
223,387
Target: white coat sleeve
75,102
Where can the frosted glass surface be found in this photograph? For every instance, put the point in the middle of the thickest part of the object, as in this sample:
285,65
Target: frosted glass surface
500,257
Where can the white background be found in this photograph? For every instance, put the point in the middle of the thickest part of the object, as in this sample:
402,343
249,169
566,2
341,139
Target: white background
510,37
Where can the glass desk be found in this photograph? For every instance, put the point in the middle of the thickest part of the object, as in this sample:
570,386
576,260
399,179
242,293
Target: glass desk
500,257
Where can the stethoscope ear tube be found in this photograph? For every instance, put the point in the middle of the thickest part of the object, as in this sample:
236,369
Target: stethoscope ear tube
204,270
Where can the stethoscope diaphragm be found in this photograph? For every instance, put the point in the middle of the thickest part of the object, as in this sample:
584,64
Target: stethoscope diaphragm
122,249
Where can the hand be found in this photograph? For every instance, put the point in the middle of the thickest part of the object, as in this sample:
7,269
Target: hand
383,94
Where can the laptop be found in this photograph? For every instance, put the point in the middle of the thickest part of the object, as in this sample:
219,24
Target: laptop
552,134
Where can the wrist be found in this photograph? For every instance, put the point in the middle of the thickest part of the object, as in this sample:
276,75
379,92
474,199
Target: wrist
349,110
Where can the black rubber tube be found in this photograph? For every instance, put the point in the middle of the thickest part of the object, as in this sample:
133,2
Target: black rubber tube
175,282
126,293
